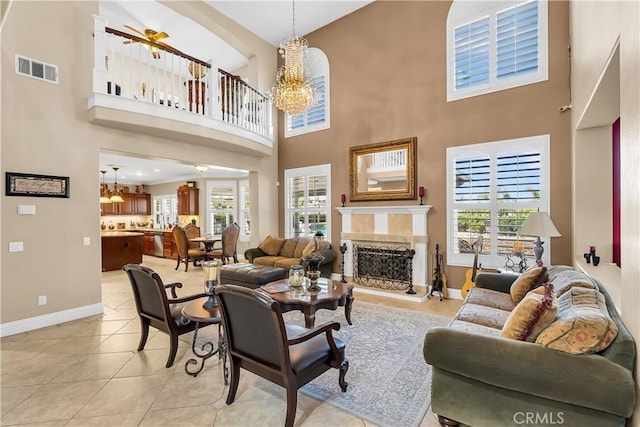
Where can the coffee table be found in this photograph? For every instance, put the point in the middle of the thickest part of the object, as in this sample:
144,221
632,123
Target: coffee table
333,294
195,312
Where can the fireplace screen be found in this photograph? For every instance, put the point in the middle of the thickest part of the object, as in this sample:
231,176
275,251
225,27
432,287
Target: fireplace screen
383,267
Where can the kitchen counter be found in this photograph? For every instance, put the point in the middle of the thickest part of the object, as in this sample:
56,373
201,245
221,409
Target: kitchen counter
120,248
121,233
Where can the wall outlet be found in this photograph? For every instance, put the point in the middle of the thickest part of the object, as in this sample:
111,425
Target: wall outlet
86,241
42,300
16,247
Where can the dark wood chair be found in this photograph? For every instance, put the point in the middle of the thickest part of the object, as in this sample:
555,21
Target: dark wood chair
193,231
259,341
229,244
156,309
185,253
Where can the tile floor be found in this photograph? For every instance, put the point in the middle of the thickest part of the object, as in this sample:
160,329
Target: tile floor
88,372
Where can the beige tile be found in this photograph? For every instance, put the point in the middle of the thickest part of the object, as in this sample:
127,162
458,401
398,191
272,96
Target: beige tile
252,413
312,412
121,314
182,390
150,362
102,327
10,397
94,367
188,416
58,331
37,370
119,343
77,346
124,395
131,419
132,327
24,349
53,402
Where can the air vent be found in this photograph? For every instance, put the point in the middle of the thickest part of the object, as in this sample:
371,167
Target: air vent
36,69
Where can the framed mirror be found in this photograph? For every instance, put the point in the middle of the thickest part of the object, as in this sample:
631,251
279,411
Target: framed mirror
383,171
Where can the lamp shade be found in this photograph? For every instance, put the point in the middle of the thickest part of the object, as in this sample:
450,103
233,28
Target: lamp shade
539,224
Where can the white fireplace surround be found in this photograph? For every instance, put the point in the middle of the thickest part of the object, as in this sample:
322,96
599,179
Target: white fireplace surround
417,239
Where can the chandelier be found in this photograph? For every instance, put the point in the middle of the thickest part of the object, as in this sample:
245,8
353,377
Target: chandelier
104,190
292,92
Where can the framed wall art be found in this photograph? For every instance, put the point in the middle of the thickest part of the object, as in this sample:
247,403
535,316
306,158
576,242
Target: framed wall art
32,185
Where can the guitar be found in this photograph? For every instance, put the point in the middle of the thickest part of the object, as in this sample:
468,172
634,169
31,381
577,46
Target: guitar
470,275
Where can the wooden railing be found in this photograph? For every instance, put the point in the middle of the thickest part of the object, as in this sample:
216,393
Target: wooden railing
136,68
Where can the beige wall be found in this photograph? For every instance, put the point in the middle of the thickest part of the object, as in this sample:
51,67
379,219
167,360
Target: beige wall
596,28
388,81
45,130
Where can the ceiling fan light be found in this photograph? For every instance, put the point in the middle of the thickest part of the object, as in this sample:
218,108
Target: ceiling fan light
201,168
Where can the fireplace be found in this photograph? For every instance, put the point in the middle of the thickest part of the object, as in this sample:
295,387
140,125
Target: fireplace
386,228
383,267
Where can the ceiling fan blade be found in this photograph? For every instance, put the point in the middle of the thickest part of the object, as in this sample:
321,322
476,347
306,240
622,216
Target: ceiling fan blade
159,36
130,41
136,31
165,45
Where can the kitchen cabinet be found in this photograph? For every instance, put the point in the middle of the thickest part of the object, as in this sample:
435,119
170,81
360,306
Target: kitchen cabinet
119,249
134,204
169,246
148,243
188,200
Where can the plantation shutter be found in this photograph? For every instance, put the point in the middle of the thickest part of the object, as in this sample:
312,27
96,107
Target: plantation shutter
316,114
472,197
471,51
517,40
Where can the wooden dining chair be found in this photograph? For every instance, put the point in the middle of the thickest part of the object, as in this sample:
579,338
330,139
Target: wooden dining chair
185,253
229,245
259,341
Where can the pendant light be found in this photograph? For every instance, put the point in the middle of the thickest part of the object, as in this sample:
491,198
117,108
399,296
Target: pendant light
117,191
104,190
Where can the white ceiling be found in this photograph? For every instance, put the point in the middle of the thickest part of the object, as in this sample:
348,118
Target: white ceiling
269,19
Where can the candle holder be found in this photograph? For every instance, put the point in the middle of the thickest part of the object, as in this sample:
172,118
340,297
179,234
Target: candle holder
421,204
343,198
343,250
211,271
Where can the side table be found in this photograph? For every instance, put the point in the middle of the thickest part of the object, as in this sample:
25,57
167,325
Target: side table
195,312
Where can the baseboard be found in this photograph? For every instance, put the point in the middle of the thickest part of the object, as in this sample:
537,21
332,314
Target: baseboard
32,323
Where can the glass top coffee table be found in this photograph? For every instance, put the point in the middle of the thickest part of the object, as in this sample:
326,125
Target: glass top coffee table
333,294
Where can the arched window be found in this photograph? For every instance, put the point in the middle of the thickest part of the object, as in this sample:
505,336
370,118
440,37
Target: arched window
493,46
317,117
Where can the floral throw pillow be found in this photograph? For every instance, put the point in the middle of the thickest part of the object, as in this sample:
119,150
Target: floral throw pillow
532,315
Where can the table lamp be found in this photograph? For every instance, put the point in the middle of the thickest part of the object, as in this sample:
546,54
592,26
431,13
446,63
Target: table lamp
211,271
539,224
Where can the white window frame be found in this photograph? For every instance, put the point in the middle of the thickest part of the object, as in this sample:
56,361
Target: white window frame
307,172
463,12
173,198
241,211
317,65
492,150
227,184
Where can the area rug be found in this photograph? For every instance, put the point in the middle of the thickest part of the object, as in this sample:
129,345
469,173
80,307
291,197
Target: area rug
389,381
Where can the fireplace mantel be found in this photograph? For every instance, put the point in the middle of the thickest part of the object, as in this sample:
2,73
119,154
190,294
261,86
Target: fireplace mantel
392,225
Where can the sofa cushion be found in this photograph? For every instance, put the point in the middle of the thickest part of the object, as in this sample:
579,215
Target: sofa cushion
487,316
289,247
474,328
268,260
530,279
536,311
569,279
271,245
490,298
583,324
302,243
311,247
286,263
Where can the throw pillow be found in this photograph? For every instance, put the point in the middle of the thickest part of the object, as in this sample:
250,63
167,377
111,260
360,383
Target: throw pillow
569,279
535,312
583,324
302,244
271,245
289,247
530,279
311,247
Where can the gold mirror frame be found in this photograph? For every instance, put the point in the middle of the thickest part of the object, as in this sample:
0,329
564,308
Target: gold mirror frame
358,155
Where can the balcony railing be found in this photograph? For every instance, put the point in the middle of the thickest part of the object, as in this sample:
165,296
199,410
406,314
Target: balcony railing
139,69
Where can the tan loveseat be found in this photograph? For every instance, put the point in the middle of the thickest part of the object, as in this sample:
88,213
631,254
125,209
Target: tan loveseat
574,370
283,253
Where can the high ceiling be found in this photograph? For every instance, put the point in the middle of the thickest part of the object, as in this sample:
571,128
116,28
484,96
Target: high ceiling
269,19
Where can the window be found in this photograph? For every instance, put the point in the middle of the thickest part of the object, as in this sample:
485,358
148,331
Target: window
222,205
491,188
244,210
493,46
317,117
165,210
307,195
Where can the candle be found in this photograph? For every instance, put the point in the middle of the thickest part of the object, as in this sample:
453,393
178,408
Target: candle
343,198
517,247
421,191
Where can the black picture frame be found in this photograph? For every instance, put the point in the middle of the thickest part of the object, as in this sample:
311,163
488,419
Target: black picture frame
33,185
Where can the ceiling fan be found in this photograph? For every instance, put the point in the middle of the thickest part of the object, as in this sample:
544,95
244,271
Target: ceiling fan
151,35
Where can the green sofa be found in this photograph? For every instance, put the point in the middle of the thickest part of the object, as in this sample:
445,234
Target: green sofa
481,379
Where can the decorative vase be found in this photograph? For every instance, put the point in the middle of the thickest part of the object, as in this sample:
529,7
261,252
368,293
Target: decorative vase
313,276
103,226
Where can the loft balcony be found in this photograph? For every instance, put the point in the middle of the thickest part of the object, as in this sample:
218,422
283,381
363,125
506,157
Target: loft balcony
151,88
